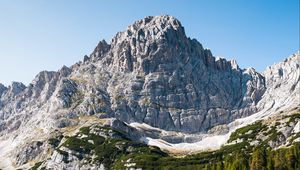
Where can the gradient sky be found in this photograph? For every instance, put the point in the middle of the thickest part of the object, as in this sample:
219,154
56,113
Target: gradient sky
38,35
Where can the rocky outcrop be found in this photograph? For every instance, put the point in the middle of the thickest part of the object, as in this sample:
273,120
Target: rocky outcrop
29,152
13,90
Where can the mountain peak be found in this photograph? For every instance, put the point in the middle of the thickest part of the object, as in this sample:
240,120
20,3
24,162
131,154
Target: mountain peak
149,29
151,41
161,22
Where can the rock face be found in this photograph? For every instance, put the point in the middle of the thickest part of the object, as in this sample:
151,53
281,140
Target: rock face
282,82
150,73
159,76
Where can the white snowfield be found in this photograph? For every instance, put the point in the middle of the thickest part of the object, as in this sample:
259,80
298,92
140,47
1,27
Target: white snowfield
207,143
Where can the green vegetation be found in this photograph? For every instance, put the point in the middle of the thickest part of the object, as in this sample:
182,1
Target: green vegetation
107,150
258,158
294,136
85,130
247,132
54,142
293,118
36,166
98,140
273,134
241,155
104,145
78,145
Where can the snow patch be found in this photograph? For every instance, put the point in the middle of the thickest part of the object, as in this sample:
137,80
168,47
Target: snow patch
207,143
297,127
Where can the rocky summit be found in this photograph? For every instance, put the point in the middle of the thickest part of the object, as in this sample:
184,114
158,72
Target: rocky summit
151,84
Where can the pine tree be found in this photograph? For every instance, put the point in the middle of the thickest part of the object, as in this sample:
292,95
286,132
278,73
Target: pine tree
258,159
270,164
219,166
290,159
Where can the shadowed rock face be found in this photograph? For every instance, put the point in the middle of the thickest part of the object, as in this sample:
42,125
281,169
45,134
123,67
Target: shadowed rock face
2,88
151,72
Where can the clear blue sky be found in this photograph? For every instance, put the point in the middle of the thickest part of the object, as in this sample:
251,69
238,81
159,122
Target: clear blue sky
45,35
